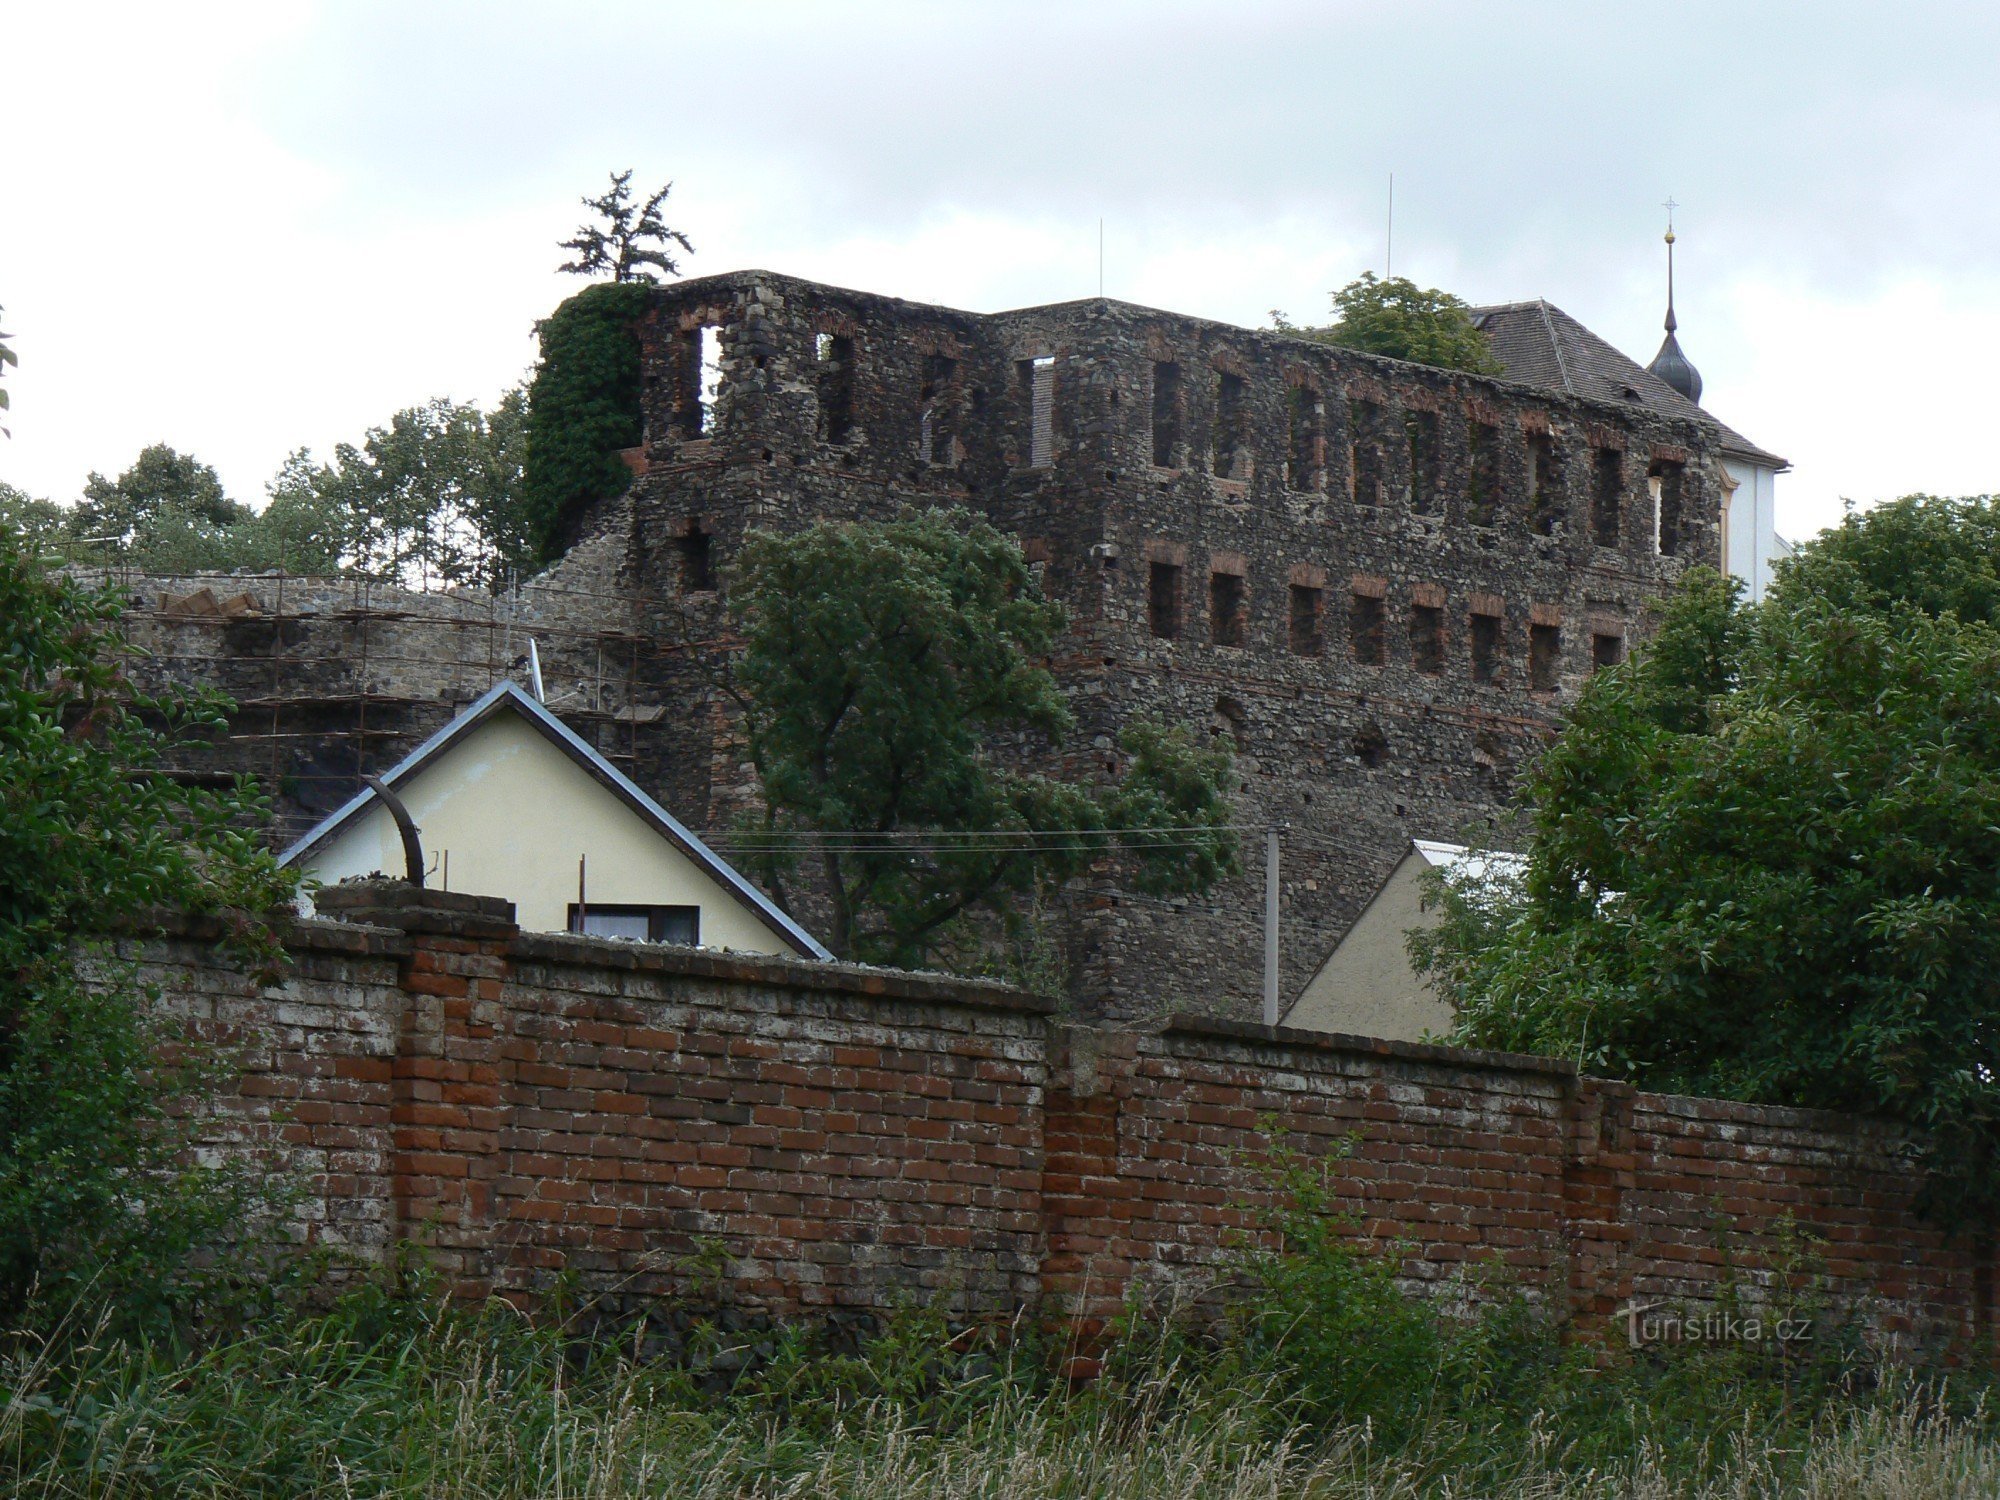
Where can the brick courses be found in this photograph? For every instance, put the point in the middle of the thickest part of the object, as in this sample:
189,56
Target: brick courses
852,1139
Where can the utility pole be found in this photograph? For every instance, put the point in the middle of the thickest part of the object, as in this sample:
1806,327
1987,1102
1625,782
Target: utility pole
1271,923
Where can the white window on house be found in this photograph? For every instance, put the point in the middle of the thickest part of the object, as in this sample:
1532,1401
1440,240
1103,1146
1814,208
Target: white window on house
638,924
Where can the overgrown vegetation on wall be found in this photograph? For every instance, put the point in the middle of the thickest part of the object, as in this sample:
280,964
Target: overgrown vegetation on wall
583,407
1765,860
1401,320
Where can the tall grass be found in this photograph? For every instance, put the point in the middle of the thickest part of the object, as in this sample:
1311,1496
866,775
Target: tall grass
377,1398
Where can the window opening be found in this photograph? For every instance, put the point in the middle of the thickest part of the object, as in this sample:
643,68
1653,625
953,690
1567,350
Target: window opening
834,356
1163,600
1607,495
935,435
697,566
1302,452
1664,477
1305,620
708,346
1364,454
1606,651
1366,618
1229,435
639,924
1544,657
1427,638
1482,492
1485,648
1037,379
1225,608
1544,496
1166,414
1420,432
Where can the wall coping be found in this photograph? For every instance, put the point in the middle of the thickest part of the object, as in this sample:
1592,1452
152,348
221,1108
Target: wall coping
1211,1028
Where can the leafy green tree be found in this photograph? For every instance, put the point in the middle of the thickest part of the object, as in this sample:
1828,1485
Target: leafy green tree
1398,318
163,490
629,240
97,1186
1939,554
881,660
42,525
583,408
1765,857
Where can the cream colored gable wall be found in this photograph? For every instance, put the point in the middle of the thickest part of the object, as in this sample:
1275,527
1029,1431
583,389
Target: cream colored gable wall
1367,987
514,812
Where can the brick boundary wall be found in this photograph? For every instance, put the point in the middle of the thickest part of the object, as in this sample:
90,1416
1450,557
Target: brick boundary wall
825,1139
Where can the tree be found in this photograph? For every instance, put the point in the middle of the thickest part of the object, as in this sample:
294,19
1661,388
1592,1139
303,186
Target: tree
42,525
1398,318
97,1186
1765,860
881,660
630,241
162,490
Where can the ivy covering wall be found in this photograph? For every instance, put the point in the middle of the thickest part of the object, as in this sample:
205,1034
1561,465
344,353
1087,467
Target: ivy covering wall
583,407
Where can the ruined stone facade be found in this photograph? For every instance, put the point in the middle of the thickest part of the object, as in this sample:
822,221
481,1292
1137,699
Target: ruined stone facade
1382,581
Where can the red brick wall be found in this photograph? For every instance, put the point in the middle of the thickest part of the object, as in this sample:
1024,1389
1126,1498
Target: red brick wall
829,1138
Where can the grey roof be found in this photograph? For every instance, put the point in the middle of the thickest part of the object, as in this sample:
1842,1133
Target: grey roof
1540,344
507,695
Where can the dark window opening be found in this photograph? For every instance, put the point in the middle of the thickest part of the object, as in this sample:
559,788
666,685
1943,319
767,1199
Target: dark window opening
1420,433
1607,496
1037,381
642,924
1228,443
1302,451
1482,489
1225,608
1545,496
697,563
1364,452
1485,648
1427,638
1544,657
1166,415
1231,720
1666,477
935,433
1163,600
1606,651
1370,745
1366,618
1305,620
834,380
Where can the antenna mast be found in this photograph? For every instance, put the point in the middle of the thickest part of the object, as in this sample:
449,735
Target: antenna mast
1389,245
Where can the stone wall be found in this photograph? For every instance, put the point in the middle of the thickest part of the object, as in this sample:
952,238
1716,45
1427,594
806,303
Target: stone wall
1381,581
828,1139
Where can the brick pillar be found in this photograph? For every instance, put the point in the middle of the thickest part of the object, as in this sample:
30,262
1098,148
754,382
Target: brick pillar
1598,1167
445,1087
1087,1206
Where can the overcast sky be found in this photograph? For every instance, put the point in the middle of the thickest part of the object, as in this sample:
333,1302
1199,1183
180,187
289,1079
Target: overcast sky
240,230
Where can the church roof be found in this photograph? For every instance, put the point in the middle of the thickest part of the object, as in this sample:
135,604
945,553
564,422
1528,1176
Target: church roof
1540,344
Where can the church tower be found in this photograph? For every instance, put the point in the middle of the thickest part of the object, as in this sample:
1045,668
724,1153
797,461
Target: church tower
1670,364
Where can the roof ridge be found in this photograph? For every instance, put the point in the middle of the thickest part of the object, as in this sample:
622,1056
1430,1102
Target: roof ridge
1555,344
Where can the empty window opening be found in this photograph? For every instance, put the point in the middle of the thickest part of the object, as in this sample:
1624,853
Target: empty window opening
1664,478
1166,415
1606,651
1364,452
1544,495
1163,600
1227,445
1607,495
834,379
697,562
936,436
1485,648
1366,617
1302,460
1305,620
1420,433
1482,487
1544,657
639,924
1037,381
1427,638
697,380
1370,745
1230,719
1226,608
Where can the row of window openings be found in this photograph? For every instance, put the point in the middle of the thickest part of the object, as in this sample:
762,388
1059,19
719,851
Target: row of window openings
937,409
1367,623
1230,459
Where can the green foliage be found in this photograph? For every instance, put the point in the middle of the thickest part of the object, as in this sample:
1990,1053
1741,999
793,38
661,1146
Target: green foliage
629,240
1402,320
95,1186
1766,856
1940,555
42,525
881,660
583,407
162,491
